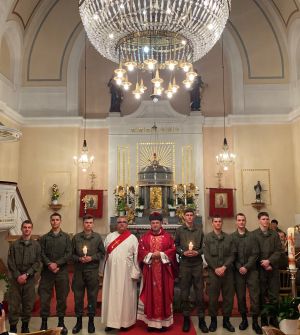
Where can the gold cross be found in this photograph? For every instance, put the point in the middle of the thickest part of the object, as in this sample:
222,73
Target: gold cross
93,176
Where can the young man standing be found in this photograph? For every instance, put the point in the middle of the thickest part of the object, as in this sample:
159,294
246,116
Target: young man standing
24,260
56,250
245,273
87,251
219,251
269,252
190,268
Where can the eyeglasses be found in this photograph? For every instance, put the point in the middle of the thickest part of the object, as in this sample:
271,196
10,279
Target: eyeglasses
122,222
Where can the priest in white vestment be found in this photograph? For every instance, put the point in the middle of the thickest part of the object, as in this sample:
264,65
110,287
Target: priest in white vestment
121,272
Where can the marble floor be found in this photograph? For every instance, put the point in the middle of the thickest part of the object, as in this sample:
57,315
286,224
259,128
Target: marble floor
70,322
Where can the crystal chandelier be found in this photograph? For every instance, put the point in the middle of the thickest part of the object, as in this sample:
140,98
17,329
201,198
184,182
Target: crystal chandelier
225,159
154,34
84,162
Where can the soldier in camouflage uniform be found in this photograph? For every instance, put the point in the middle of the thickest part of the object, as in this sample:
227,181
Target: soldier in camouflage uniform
245,273
219,251
24,260
269,252
86,275
56,250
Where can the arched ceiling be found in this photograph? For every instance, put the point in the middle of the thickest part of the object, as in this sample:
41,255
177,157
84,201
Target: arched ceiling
56,24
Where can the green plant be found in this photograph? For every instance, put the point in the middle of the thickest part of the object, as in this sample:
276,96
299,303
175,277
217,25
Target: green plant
192,206
172,209
285,308
6,279
139,210
190,200
121,206
141,201
170,201
180,201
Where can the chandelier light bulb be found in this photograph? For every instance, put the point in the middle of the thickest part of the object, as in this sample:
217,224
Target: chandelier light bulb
225,159
191,77
142,91
183,42
169,11
111,35
174,89
169,95
83,170
158,91
95,16
157,84
225,168
210,26
126,86
186,68
188,84
83,161
137,95
122,6
150,66
171,66
130,67
119,81
120,74
146,49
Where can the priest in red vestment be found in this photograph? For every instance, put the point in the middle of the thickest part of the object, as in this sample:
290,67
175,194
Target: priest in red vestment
157,259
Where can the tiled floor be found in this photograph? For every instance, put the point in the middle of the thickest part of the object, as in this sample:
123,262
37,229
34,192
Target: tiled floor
70,322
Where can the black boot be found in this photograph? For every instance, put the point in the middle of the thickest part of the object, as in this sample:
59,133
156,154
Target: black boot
25,328
91,327
213,324
13,329
255,326
202,325
61,323
44,325
274,322
264,321
244,324
186,324
227,325
77,328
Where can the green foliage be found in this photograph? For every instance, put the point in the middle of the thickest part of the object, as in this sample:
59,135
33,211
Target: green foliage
190,200
180,201
121,206
285,308
172,209
192,206
139,210
170,201
141,201
6,279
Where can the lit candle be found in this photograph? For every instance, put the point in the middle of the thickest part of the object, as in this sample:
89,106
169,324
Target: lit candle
136,190
117,190
191,246
175,189
291,248
197,189
184,189
84,250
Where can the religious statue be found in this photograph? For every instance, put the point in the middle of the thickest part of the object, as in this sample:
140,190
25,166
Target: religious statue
196,91
116,96
130,217
258,189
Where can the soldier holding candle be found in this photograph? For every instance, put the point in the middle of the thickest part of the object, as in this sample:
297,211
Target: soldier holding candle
87,250
188,242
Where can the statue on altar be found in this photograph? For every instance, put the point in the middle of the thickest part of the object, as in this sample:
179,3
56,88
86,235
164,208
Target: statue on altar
258,190
196,91
116,96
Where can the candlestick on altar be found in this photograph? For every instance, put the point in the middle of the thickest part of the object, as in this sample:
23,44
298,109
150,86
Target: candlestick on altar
86,201
84,250
127,192
191,246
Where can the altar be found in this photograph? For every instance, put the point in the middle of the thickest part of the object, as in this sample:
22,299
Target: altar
142,225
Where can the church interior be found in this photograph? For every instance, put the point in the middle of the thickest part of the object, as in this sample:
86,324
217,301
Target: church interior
54,94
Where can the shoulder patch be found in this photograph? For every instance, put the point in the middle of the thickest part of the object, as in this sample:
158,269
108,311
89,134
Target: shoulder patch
203,245
8,252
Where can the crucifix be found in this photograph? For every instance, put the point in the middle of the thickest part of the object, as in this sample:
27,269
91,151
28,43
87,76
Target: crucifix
93,176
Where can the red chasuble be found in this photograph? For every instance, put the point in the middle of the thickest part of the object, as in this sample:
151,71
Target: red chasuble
158,278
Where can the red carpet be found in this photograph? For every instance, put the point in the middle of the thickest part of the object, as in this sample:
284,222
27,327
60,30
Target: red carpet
141,328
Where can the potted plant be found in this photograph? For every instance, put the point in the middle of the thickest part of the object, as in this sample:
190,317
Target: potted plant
172,211
141,202
139,211
121,207
287,311
170,202
55,194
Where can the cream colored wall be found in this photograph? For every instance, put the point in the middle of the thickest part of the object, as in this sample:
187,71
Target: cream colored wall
9,153
97,142
100,70
5,59
296,143
41,150
213,138
267,147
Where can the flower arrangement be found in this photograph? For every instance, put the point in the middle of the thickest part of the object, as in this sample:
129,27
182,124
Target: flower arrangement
139,209
55,192
172,209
